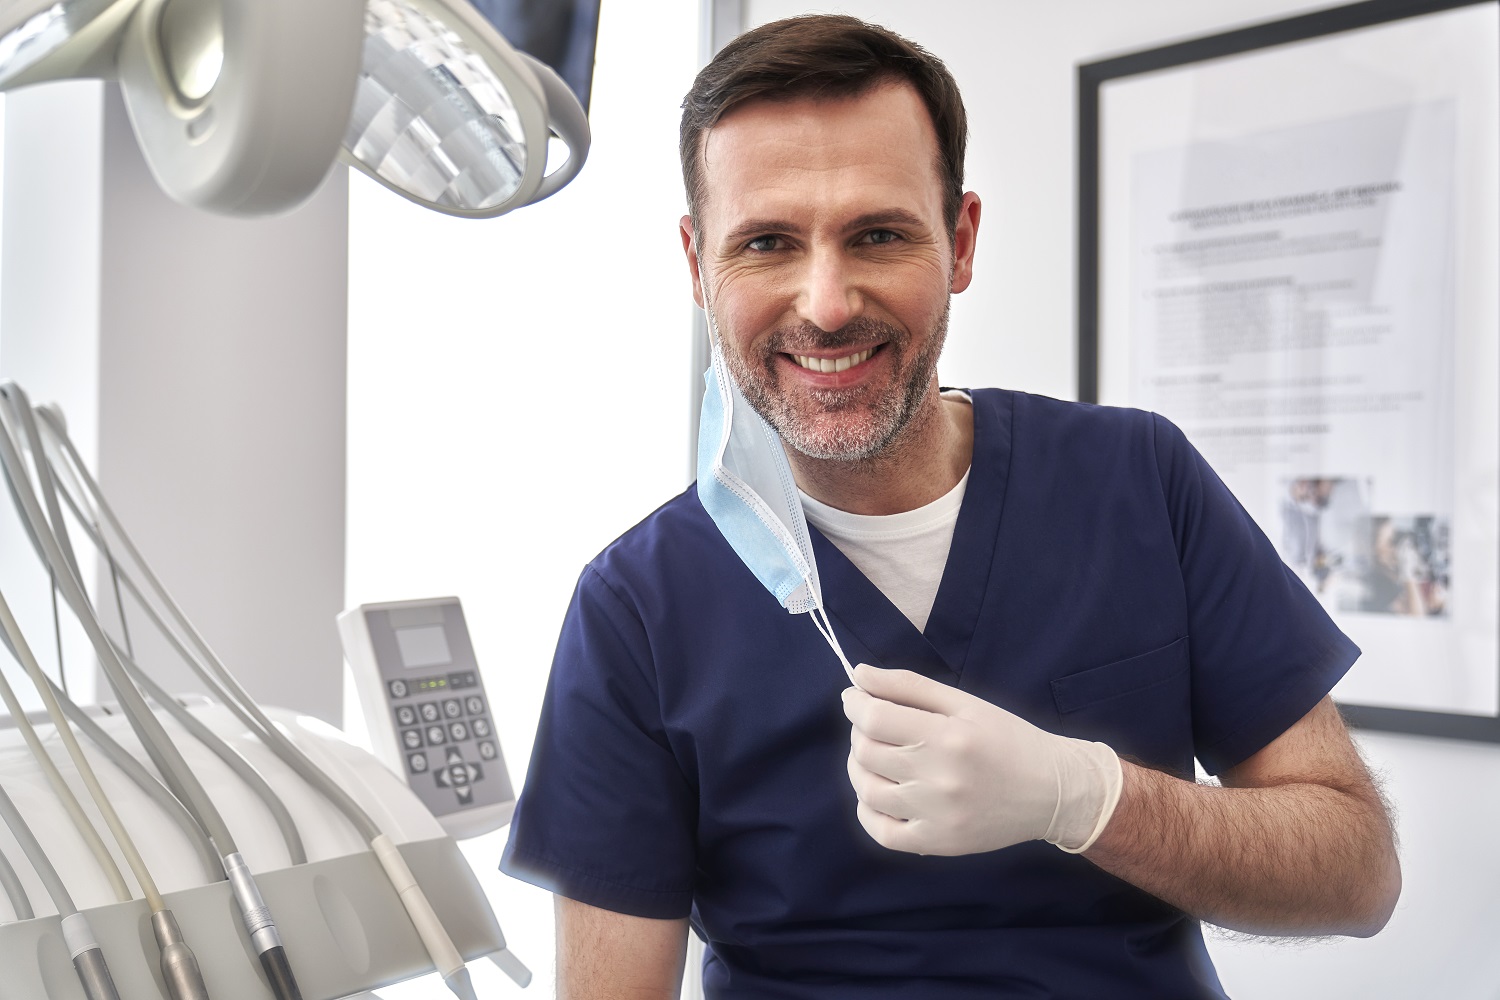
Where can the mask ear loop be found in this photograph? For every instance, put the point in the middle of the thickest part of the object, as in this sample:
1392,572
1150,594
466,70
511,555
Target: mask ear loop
825,628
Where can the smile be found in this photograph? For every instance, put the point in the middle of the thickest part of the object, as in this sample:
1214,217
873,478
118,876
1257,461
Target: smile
832,364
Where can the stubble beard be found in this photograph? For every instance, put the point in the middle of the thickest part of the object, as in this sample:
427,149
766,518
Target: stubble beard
828,423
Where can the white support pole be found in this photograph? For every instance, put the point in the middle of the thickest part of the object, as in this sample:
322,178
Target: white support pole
200,362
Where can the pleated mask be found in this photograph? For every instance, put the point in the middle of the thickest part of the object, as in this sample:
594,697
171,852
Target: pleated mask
745,483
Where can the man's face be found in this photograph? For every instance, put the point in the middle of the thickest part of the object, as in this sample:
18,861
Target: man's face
827,263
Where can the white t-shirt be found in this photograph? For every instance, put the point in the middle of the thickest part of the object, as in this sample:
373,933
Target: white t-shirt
902,554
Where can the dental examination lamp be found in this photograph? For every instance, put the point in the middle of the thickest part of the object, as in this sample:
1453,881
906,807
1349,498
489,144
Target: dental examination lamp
241,107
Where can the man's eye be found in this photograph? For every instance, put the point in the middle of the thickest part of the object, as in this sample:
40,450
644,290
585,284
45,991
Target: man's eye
763,244
881,236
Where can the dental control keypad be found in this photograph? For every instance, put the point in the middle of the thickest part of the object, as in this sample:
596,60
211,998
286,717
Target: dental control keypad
451,752
437,720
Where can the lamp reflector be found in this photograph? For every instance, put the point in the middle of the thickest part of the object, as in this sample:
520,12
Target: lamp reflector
192,44
431,117
35,36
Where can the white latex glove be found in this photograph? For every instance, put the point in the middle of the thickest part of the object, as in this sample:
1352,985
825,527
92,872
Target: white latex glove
939,771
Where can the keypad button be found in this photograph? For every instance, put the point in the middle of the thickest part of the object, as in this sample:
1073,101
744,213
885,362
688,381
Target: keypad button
481,727
452,708
470,680
454,757
474,704
465,795
417,762
458,774
411,739
487,750
398,689
437,735
430,711
459,731
406,716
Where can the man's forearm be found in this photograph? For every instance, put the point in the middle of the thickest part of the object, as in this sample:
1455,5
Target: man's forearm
1297,858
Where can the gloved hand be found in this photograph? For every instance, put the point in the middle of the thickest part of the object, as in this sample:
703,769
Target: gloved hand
939,771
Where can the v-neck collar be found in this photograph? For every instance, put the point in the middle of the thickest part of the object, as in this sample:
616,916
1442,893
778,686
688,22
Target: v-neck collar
879,631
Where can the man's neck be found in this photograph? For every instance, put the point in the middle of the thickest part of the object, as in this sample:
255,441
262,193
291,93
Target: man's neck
926,461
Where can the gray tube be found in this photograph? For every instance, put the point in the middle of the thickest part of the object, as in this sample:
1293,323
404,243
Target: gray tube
148,729
20,903
38,857
147,782
206,736
228,754
236,698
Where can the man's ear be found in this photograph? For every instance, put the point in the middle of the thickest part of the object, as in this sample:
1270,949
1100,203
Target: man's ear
689,248
965,233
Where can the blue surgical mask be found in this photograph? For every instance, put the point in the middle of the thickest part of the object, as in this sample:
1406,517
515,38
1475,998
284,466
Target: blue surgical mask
745,483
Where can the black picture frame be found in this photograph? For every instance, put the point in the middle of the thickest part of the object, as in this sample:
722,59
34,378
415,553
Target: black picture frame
1090,79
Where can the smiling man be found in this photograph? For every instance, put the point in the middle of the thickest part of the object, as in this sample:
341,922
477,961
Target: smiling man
1056,607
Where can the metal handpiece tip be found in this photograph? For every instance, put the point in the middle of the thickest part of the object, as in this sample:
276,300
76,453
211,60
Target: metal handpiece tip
93,975
179,966
279,972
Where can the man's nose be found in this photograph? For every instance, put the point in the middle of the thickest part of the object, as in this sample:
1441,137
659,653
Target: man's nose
830,295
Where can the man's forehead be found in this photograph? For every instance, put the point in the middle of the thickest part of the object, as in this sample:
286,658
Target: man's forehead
878,141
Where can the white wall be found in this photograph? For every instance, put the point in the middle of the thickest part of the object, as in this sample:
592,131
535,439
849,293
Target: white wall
518,394
1015,60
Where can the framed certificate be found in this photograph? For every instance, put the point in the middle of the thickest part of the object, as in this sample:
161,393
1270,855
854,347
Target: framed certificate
1289,243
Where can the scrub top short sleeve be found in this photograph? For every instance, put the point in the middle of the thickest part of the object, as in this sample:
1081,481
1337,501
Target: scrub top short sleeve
627,810
1250,619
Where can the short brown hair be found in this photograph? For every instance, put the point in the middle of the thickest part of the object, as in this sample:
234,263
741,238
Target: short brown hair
823,55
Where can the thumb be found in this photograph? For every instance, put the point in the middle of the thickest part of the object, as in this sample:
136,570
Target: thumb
903,687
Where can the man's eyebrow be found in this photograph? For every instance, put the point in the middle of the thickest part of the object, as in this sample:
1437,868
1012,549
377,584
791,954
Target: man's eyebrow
884,217
758,227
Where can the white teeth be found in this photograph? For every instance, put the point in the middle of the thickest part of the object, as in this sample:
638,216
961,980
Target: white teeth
832,364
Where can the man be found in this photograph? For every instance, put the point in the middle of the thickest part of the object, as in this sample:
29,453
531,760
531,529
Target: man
1056,608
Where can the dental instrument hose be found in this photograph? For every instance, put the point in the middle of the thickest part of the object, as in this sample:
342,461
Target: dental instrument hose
254,913
88,957
64,794
246,771
179,965
440,948
256,916
93,972
133,769
146,781
15,892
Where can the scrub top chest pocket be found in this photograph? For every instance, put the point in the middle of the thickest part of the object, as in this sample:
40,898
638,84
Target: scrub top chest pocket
1140,706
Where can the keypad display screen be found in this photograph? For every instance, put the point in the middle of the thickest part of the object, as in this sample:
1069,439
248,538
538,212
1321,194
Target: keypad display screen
423,646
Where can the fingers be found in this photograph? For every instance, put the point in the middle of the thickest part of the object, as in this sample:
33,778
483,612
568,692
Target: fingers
895,763
888,832
877,791
887,722
903,687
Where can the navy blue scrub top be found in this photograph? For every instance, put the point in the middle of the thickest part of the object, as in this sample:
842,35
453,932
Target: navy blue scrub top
1102,583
